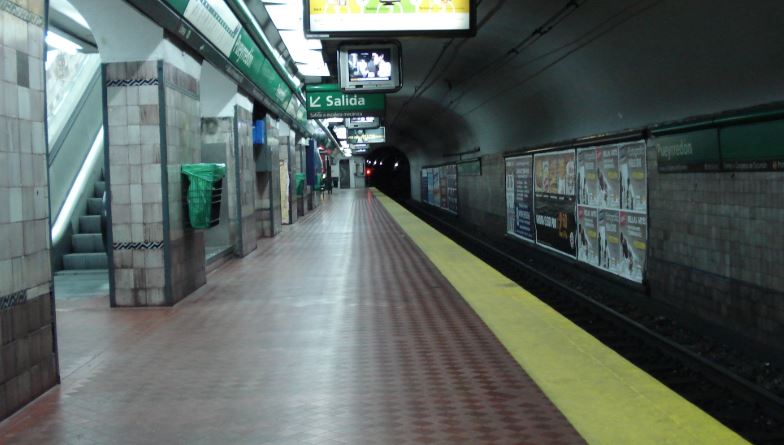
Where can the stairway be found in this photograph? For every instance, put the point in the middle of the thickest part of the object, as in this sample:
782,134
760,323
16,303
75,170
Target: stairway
87,249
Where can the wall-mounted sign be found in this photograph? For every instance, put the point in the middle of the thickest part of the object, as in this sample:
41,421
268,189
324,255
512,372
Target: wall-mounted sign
218,24
470,168
697,151
367,136
363,18
753,147
325,101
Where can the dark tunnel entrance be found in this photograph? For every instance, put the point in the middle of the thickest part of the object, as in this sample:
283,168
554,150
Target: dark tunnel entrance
387,169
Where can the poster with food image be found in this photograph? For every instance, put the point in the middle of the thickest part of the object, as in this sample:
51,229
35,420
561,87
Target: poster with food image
633,176
609,240
588,235
554,203
609,193
633,242
587,177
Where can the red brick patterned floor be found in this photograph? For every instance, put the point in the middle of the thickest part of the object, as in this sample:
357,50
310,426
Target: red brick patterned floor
338,331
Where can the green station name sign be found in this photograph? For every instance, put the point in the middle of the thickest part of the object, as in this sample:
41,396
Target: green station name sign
325,101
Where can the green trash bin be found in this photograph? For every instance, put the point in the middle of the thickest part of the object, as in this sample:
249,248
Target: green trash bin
202,183
299,179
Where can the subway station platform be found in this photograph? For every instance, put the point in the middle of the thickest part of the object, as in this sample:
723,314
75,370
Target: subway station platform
358,325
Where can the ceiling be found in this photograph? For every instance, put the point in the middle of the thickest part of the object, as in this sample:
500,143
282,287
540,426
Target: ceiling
541,71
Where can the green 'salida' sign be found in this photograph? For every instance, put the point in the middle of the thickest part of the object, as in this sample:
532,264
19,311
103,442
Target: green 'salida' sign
324,101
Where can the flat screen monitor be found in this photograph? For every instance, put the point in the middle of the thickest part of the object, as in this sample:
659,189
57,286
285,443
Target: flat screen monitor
370,67
369,136
326,19
363,122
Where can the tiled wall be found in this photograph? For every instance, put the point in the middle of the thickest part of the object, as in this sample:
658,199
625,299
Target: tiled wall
716,249
183,142
28,363
144,202
247,173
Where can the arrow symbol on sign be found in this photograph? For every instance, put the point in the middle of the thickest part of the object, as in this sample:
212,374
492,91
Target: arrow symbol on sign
314,101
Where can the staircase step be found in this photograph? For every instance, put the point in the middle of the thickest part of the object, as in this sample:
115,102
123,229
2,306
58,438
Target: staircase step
94,206
87,243
90,224
73,261
100,188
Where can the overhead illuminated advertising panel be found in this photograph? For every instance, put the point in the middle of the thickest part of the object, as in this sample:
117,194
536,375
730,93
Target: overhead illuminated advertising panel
363,18
367,136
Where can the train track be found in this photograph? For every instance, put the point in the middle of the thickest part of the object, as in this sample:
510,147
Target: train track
752,411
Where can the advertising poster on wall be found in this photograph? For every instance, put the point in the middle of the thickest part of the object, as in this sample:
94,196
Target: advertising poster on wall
588,235
609,240
510,195
554,178
609,183
633,241
431,189
423,185
587,177
523,210
436,187
633,176
444,203
451,187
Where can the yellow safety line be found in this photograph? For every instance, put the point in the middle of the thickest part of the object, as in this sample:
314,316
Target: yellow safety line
605,397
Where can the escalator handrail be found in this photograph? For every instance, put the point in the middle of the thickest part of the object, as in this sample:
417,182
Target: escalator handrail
77,188
62,137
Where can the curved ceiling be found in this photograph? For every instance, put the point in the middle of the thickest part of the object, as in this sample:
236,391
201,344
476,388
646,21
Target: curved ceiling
603,66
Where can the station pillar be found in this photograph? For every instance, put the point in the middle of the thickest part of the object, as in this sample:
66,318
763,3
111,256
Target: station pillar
153,126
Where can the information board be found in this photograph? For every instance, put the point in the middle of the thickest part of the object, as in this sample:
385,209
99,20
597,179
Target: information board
633,176
555,199
441,187
451,187
520,197
612,205
633,245
588,235
363,18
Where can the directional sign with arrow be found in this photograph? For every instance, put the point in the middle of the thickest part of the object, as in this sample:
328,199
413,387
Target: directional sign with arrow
326,101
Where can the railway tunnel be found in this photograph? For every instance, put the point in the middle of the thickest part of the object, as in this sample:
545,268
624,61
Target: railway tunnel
391,221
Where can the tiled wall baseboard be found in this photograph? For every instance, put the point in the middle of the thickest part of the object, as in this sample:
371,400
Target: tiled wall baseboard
131,82
21,13
14,299
147,245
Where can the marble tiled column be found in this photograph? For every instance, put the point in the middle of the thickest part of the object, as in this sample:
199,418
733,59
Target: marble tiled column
247,180
153,127
28,358
269,218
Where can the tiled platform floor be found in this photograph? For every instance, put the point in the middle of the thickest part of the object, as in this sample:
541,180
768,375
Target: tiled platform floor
338,331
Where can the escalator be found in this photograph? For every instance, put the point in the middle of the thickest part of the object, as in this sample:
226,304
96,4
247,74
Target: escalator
77,187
